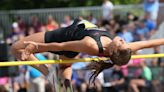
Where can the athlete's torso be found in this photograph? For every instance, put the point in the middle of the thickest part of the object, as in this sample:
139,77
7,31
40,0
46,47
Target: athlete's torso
77,31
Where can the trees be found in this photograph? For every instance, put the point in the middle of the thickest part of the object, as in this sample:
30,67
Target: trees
35,4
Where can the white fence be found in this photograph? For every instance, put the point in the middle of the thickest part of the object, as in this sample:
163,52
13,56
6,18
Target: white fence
7,17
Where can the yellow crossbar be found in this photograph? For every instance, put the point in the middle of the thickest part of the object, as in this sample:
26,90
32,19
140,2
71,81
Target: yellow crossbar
16,63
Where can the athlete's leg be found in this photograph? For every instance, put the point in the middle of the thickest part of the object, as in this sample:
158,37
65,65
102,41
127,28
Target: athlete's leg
66,71
18,47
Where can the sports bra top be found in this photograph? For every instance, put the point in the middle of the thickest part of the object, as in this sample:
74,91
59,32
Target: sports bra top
82,28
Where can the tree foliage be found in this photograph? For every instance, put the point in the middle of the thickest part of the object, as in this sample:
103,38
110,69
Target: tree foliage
36,4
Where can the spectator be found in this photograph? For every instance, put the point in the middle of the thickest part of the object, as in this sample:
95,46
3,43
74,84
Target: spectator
52,24
118,79
35,23
37,81
154,69
99,23
20,81
131,17
78,81
67,21
15,27
144,82
155,75
105,79
1,35
132,28
92,19
111,32
30,30
142,31
107,10
3,89
21,24
161,76
126,35
43,28
4,83
161,72
15,35
152,7
157,51
150,24
134,63
113,26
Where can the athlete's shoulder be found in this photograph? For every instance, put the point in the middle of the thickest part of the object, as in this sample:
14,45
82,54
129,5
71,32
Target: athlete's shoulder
87,24
84,23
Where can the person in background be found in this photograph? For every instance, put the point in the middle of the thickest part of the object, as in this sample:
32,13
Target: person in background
157,51
161,76
118,79
132,27
114,26
15,35
20,82
21,23
35,23
126,35
4,84
152,7
150,24
3,89
142,31
155,74
144,82
131,18
135,64
92,19
30,30
107,8
67,21
154,69
105,79
52,24
37,81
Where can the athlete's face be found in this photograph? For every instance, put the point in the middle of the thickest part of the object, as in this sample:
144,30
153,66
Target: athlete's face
117,43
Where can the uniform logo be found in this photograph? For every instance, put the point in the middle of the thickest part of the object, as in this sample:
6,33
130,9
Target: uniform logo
96,33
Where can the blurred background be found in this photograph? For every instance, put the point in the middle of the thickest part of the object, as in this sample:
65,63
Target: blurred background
133,20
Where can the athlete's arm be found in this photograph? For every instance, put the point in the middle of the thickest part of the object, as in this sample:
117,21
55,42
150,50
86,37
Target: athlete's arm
134,46
76,46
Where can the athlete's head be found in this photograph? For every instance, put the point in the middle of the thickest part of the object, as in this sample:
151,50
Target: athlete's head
119,52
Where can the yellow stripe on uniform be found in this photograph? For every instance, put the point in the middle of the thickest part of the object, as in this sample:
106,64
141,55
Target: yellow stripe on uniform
87,24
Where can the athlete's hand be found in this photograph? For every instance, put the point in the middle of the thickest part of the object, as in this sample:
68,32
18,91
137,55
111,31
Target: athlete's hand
30,48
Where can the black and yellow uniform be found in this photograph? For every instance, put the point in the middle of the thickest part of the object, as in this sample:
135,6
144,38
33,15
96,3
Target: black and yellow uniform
77,31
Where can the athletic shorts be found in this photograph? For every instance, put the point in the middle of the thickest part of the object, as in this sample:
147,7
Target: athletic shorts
59,36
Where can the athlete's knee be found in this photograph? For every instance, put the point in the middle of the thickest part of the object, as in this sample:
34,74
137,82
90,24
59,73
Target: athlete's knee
65,71
13,49
16,47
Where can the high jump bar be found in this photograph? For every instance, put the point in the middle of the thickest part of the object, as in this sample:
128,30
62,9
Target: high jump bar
60,61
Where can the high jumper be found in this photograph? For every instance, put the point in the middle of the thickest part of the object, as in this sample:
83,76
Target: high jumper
81,36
